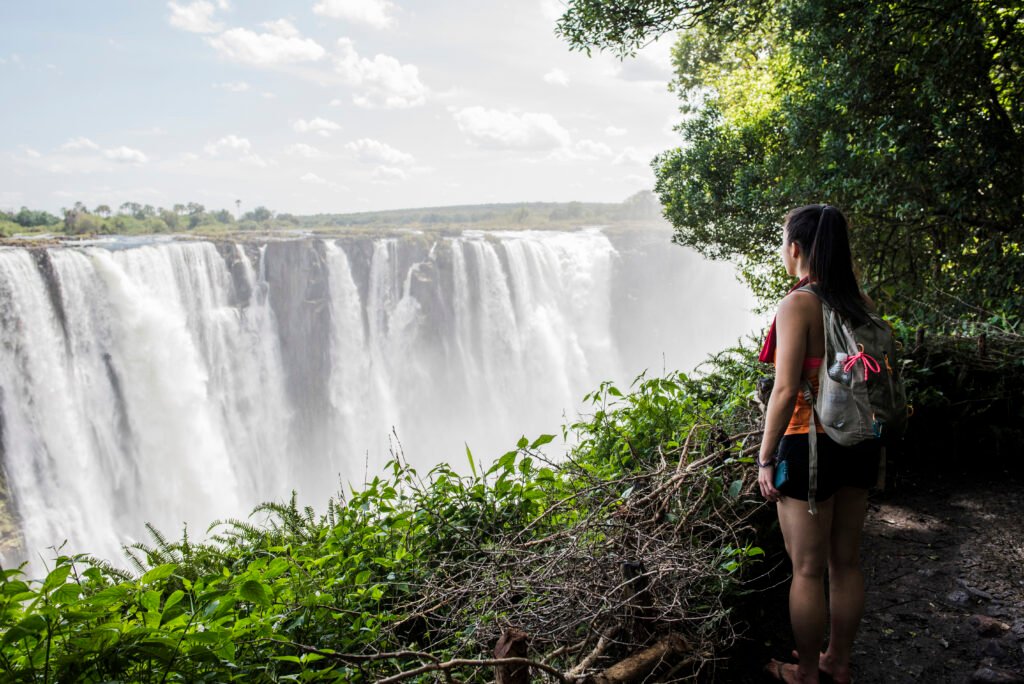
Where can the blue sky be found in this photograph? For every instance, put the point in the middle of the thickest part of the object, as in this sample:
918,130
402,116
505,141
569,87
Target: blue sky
319,105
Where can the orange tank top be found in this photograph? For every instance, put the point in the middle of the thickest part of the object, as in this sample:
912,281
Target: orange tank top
800,423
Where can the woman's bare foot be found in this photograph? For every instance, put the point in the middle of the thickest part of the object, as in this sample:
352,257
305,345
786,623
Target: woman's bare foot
827,666
789,673
840,674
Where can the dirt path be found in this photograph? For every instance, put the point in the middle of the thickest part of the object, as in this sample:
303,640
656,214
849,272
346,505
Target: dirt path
944,567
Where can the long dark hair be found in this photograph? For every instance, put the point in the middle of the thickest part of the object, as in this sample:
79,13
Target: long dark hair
823,234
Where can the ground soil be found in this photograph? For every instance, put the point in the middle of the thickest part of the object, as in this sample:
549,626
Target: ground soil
943,559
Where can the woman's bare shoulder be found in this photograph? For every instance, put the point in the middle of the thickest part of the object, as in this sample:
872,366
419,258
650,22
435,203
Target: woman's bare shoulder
799,302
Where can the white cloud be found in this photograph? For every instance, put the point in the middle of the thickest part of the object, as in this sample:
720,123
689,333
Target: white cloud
369,150
376,13
493,128
281,45
282,28
615,131
305,151
80,144
557,77
631,155
232,86
582,150
254,159
591,149
223,5
30,152
385,82
227,144
335,102
196,17
126,155
323,127
389,173
314,179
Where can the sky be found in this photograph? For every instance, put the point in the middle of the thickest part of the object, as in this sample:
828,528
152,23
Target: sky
308,106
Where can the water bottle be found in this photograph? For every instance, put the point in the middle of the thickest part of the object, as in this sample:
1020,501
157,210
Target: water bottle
836,372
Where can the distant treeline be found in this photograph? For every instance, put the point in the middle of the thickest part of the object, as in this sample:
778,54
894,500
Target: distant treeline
135,218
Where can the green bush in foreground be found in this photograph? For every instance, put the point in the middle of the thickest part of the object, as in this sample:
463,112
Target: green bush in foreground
411,570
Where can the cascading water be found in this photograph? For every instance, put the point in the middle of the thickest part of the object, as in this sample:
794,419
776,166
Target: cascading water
181,382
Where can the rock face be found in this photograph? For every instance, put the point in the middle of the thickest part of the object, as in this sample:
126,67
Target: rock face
12,543
296,278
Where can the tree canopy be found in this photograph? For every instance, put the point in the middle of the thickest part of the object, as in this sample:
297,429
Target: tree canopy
907,116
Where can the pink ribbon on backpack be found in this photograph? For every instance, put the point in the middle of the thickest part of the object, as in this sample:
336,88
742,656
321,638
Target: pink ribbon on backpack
870,364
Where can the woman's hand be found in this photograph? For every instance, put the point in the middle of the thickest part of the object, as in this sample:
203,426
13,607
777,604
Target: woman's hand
766,481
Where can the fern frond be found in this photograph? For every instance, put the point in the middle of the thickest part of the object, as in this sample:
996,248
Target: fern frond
112,571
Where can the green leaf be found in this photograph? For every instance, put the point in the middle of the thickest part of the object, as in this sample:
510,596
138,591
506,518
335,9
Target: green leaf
158,573
276,567
469,455
523,442
541,441
735,487
150,600
173,599
253,591
30,626
67,593
56,578
109,595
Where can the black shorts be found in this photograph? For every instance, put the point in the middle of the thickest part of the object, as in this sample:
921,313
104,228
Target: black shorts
838,466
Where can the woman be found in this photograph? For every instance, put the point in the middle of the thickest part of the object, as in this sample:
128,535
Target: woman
816,249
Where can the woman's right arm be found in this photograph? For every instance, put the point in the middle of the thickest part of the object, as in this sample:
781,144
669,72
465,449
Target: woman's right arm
791,326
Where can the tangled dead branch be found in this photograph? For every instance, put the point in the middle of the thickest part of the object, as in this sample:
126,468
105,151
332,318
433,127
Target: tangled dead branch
636,563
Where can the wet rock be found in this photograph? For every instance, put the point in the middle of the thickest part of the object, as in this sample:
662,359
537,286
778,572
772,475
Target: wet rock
988,675
1018,628
988,626
993,649
958,597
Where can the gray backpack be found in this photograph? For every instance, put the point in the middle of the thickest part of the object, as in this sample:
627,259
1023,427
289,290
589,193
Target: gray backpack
861,395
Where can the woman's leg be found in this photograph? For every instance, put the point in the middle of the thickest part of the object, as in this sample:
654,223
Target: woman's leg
807,543
845,580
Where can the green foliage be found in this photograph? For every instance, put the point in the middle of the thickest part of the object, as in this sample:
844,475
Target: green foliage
259,215
409,562
907,116
8,227
26,218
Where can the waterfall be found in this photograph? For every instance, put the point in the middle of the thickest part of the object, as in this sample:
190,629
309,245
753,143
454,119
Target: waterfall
181,382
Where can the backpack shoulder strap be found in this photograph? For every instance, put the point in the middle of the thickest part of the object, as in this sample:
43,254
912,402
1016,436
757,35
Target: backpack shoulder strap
809,288
812,452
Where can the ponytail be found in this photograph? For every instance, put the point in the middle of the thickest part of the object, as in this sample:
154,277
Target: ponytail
822,233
